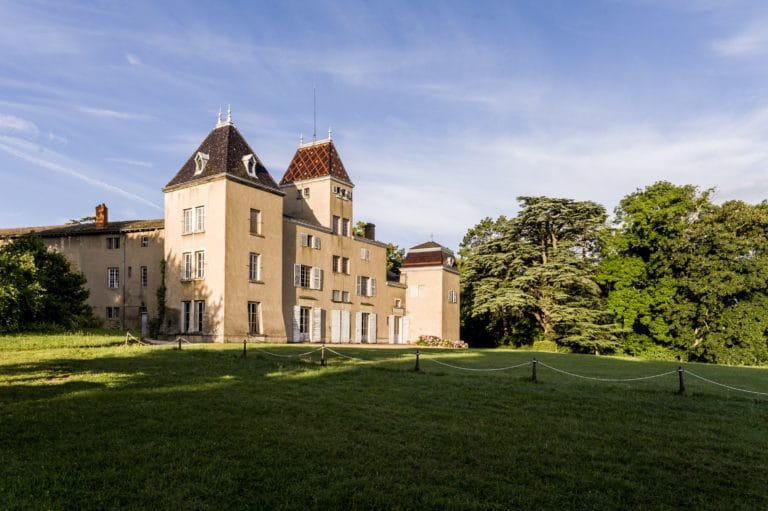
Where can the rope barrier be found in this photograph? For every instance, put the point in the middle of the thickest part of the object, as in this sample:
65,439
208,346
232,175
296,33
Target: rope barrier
344,356
130,337
607,379
476,369
726,386
285,356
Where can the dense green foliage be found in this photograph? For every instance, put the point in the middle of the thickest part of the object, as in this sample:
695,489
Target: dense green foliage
38,289
687,277
680,276
89,425
533,276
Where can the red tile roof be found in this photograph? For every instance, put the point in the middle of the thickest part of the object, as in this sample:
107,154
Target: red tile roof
317,159
225,147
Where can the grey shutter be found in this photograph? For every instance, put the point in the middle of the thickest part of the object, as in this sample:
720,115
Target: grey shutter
296,320
335,326
391,320
296,275
372,328
358,326
372,287
317,324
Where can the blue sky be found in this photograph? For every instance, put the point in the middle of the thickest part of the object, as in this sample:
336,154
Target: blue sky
443,112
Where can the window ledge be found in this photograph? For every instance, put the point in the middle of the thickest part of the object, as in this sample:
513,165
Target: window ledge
256,281
257,235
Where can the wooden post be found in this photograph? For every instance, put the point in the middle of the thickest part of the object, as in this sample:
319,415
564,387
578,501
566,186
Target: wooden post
681,377
417,368
533,370
179,342
322,355
245,339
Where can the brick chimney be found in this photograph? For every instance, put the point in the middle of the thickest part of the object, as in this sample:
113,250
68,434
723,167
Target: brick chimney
101,215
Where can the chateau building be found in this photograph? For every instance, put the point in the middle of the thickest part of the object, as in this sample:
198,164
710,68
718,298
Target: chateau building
241,255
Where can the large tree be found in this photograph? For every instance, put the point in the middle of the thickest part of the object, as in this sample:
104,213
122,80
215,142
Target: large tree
538,270
38,287
686,277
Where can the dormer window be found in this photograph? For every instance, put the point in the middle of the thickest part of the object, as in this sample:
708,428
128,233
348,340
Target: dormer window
249,161
201,159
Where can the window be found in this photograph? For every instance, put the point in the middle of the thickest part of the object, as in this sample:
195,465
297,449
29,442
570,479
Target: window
186,316
341,264
187,225
200,161
365,254
306,193
254,318
113,312
366,286
143,276
336,227
453,296
255,221
144,241
298,194
250,164
301,275
200,264
345,297
254,267
345,226
199,315
113,277
130,271
398,303
186,269
308,277
364,319
200,219
308,240
336,295
113,242
304,320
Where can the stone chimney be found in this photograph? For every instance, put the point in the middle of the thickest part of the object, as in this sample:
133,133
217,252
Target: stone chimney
101,215
370,231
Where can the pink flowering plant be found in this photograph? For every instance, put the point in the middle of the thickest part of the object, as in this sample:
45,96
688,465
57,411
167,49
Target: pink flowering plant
436,342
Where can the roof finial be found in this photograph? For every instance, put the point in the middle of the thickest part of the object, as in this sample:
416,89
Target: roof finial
330,133
218,119
301,139
314,113
229,114
430,237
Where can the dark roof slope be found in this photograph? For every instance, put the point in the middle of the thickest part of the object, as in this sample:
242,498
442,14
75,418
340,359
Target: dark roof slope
316,159
84,229
429,254
225,147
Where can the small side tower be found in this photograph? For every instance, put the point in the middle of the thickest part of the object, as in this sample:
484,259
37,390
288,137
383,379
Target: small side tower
432,302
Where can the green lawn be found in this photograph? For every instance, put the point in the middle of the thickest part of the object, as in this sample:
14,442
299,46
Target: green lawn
86,423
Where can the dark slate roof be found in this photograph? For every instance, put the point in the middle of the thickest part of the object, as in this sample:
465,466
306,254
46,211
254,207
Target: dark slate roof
225,147
316,159
429,254
84,229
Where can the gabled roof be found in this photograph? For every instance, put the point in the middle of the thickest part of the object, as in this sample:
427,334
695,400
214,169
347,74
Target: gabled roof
428,244
225,148
316,159
85,229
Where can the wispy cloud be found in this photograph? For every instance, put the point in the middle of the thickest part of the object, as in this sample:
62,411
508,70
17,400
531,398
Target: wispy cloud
751,40
134,163
114,114
12,124
132,59
49,160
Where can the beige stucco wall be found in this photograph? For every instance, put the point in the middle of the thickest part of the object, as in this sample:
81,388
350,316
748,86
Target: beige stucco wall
382,304
322,203
88,254
427,303
239,244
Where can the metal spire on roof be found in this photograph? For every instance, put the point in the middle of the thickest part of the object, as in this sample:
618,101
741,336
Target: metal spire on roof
301,139
218,119
330,133
229,114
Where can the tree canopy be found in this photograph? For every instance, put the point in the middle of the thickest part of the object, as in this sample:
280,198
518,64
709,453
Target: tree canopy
39,289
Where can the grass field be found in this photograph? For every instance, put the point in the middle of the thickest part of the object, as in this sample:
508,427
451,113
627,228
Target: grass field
86,423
